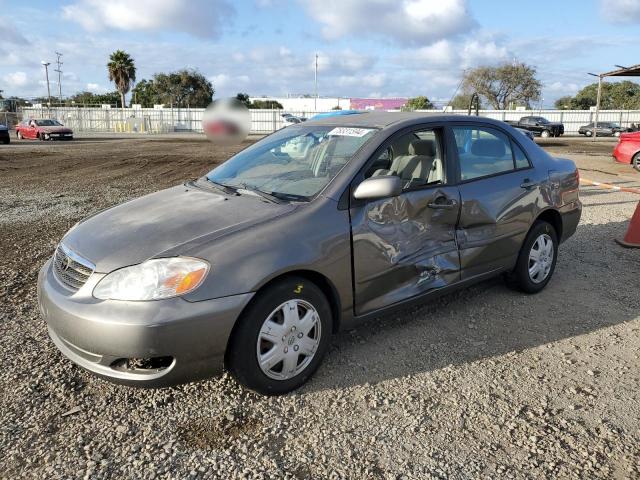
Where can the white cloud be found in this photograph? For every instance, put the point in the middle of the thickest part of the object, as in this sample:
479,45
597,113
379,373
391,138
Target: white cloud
202,18
621,11
17,79
405,21
96,88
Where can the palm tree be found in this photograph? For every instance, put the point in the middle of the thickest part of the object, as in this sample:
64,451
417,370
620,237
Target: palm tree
122,71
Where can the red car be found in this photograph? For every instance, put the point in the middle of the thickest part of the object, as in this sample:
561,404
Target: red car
628,149
45,129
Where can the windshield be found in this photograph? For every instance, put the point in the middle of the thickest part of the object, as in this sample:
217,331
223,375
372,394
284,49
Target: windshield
48,123
297,161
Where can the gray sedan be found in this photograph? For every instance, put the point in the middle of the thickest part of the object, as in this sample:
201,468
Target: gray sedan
315,228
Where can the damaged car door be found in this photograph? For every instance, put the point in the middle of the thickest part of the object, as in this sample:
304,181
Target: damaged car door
404,245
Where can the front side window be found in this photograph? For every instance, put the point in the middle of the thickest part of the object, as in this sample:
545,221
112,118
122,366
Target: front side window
483,151
416,157
298,161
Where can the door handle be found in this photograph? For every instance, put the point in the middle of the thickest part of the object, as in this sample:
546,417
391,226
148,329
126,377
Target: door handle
443,203
526,183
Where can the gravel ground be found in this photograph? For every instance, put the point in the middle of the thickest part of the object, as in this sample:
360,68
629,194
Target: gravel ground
483,383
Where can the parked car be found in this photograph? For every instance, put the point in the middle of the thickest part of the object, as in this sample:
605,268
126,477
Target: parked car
539,126
627,150
290,119
256,264
526,133
4,134
43,129
603,129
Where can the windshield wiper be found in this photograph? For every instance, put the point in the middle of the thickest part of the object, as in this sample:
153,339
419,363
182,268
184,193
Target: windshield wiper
266,195
228,189
290,196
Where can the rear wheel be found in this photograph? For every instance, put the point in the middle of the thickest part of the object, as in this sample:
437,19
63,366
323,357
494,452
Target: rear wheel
545,134
537,259
281,337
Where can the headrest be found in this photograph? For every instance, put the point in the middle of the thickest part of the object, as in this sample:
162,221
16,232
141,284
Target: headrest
488,147
423,147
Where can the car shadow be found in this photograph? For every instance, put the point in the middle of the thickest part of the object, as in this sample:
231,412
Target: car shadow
489,320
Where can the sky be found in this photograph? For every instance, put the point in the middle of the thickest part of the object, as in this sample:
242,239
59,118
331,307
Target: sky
366,48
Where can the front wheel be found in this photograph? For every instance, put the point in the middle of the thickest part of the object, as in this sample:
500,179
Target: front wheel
588,133
281,337
537,259
635,161
19,135
545,134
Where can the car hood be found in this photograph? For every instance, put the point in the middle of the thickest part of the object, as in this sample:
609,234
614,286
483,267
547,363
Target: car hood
55,129
165,223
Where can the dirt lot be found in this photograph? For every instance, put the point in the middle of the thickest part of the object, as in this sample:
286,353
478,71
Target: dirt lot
484,383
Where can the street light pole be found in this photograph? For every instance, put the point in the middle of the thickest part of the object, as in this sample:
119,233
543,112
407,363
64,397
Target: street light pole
46,72
599,96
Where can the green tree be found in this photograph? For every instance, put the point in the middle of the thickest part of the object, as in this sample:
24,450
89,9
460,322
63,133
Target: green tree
244,99
145,93
564,103
505,84
418,103
614,96
122,72
184,88
462,101
266,104
89,98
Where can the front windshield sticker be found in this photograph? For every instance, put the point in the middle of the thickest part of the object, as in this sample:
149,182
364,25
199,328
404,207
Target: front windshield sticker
349,132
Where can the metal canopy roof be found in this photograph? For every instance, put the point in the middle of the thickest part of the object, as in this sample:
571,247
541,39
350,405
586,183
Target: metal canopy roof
624,72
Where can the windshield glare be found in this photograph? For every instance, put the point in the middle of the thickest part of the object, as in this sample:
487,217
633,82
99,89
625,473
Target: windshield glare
297,161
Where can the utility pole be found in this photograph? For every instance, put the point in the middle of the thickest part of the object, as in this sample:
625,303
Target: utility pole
315,82
59,70
46,72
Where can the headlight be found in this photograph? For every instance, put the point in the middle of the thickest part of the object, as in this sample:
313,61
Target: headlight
153,280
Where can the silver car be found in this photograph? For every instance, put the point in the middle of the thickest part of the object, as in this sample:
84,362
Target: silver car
315,228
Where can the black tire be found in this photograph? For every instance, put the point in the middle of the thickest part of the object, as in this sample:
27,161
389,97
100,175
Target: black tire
6,141
635,161
545,134
242,355
19,135
519,278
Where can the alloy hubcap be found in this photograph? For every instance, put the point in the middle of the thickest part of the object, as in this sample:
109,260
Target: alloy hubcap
288,339
540,258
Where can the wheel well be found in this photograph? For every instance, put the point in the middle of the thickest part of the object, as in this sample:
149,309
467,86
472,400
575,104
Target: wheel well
318,279
554,218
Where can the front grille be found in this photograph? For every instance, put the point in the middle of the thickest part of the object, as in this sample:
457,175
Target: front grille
71,270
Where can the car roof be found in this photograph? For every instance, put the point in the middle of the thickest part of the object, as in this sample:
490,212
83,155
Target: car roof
380,119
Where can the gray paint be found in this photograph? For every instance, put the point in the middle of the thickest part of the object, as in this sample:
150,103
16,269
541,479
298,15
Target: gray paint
402,250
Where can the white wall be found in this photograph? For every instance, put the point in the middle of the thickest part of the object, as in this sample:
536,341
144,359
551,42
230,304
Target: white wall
309,104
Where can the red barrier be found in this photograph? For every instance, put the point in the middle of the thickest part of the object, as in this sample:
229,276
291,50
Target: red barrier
609,186
632,238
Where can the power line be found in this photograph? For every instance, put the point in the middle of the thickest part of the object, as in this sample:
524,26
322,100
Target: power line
59,70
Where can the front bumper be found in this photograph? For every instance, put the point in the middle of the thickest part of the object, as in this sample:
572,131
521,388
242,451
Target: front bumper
98,334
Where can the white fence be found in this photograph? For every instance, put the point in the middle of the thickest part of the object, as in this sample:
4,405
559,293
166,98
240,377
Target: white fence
149,120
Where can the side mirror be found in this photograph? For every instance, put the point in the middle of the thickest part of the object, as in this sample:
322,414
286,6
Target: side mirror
378,187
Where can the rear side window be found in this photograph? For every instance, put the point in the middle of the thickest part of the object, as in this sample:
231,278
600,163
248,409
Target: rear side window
483,152
519,158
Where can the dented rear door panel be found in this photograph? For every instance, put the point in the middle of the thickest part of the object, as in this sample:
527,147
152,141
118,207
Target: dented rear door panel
403,248
496,213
